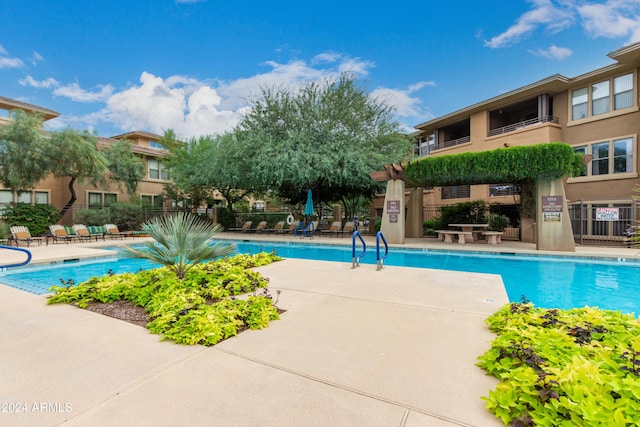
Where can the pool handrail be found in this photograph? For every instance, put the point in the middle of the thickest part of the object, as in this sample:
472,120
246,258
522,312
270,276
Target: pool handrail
379,260
20,264
355,261
299,228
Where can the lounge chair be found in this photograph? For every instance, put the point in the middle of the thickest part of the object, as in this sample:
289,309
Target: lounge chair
290,229
262,227
20,233
60,233
113,232
245,228
334,230
83,233
349,228
278,228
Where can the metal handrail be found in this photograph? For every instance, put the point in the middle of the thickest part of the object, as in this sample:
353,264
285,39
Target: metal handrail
28,260
522,124
379,260
355,260
299,228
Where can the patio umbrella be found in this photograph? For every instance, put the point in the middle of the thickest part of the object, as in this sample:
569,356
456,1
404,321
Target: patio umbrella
308,208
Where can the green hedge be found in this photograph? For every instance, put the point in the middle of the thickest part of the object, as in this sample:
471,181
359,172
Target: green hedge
514,164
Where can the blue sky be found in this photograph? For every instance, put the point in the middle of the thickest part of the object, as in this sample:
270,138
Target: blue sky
193,65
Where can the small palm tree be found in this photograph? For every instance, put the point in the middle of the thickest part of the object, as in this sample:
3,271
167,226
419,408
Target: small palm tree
181,241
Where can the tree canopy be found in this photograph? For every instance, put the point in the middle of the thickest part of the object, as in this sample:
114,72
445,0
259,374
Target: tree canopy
217,162
327,136
29,155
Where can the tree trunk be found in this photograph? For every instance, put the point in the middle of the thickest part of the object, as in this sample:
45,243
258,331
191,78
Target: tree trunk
73,198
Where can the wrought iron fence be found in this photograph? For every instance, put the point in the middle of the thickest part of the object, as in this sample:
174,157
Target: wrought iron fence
603,222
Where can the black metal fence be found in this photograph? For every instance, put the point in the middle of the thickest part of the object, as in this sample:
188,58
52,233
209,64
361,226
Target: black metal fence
596,222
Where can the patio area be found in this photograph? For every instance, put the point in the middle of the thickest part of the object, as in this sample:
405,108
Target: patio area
354,347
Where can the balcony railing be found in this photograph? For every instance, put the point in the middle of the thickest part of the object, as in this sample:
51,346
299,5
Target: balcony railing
523,124
452,142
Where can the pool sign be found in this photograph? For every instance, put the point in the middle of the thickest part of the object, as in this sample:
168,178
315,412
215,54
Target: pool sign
393,207
552,203
607,214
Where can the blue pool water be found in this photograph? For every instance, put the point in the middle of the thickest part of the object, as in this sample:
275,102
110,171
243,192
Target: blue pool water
560,282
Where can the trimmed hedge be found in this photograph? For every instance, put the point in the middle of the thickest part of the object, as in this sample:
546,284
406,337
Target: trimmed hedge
514,164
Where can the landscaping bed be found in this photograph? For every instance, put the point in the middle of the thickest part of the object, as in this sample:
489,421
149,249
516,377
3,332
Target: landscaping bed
578,367
214,301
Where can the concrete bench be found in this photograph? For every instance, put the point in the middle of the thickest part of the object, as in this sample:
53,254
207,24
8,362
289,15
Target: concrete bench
493,237
448,236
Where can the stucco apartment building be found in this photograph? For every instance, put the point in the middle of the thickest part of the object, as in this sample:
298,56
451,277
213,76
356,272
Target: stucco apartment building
597,113
55,191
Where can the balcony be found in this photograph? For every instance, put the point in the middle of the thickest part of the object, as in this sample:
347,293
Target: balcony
451,143
523,124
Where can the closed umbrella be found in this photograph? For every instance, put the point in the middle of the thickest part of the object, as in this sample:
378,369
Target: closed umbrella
308,208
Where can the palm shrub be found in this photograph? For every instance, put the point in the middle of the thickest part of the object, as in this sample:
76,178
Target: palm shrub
180,242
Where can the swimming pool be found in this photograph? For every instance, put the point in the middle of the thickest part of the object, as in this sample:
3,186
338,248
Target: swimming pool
561,282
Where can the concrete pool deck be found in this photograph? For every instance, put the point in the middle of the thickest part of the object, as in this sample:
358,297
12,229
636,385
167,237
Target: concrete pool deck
356,347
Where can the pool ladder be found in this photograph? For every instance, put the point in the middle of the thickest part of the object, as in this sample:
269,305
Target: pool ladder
20,264
355,260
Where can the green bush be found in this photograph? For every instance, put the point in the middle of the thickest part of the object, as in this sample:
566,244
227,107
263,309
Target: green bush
93,216
498,222
127,216
377,223
578,367
5,233
430,226
473,212
37,218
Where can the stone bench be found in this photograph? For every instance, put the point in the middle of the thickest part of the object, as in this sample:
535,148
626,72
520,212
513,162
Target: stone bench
447,236
493,237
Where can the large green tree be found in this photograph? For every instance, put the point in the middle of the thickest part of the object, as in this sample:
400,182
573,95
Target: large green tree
327,136
29,155
210,163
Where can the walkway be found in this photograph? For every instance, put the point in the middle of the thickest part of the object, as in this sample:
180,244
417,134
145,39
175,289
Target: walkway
360,347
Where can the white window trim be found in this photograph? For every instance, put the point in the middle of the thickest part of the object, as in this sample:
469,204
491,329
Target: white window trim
612,113
610,176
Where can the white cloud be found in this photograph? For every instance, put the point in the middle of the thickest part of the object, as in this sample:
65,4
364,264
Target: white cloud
401,99
3,51
554,52
40,84
610,18
544,14
76,93
36,57
193,107
8,62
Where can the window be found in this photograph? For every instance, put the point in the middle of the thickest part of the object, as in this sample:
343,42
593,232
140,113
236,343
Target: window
609,157
6,198
24,197
155,200
456,192
582,150
579,104
158,170
101,200
156,144
623,92
496,190
598,100
41,197
600,161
